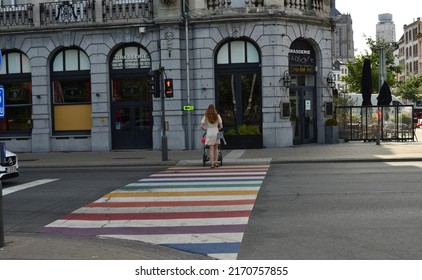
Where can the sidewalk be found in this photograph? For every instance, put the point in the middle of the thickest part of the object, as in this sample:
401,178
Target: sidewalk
42,246
341,152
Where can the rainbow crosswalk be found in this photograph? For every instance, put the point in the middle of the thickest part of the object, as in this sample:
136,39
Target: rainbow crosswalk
199,210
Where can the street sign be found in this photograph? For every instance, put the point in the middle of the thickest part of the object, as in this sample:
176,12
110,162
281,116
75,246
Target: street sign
2,105
188,108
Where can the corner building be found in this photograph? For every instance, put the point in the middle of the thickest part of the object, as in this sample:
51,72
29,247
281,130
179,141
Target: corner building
75,73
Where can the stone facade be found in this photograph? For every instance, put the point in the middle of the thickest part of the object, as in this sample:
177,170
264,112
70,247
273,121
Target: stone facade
273,29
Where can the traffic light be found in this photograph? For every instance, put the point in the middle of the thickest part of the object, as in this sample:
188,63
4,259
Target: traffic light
168,88
154,83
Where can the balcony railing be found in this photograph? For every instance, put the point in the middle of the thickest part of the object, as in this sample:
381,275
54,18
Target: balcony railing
307,5
67,12
17,15
300,5
223,4
76,12
127,9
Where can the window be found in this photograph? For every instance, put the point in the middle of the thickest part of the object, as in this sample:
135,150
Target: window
71,92
16,80
238,86
237,52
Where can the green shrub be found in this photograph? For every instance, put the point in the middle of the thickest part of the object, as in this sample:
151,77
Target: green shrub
231,132
248,130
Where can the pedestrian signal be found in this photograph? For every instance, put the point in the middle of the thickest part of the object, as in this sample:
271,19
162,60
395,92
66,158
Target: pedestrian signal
154,83
168,88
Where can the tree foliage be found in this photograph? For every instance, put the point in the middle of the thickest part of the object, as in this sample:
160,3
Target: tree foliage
411,89
353,79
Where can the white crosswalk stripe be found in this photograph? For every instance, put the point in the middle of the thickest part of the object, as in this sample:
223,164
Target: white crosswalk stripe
27,186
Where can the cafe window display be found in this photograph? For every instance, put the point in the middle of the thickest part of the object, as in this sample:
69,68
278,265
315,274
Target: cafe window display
16,80
71,88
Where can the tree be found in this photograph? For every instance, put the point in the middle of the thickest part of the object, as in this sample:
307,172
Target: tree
410,89
353,79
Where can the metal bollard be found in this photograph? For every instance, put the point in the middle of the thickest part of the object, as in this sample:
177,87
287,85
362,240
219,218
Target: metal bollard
1,217
2,159
2,152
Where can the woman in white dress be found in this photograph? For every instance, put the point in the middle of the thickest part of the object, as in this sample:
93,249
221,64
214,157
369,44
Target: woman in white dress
212,124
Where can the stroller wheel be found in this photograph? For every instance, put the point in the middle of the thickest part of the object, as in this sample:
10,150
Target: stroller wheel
220,157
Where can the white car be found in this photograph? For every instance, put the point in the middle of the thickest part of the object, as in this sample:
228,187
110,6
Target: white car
10,167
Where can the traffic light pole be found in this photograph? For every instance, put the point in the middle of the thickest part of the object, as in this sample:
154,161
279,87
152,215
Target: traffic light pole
164,146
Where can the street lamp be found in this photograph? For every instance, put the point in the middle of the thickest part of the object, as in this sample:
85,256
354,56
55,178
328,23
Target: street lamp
287,80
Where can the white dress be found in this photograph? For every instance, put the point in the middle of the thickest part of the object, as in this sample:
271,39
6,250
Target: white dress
212,130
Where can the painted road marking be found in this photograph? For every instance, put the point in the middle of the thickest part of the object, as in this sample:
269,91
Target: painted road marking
199,210
27,186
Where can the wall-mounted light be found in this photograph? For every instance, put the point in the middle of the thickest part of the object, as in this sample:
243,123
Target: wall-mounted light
287,80
142,30
97,94
330,80
38,96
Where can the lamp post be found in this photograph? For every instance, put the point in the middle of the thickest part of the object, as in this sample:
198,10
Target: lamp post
331,80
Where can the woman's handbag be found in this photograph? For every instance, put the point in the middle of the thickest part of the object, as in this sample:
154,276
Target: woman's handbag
220,135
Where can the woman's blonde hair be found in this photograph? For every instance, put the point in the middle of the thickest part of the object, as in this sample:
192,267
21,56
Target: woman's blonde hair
211,114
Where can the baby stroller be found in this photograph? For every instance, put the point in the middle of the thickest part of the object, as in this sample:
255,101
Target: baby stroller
206,155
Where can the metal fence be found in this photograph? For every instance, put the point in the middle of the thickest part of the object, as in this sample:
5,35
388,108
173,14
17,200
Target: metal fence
393,123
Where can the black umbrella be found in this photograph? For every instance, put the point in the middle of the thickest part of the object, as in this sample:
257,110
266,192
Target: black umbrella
366,83
384,97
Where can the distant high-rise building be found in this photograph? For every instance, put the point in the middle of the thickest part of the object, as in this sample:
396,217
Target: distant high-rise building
386,29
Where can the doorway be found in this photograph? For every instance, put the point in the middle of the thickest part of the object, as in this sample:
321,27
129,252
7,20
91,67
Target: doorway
132,126
131,113
303,115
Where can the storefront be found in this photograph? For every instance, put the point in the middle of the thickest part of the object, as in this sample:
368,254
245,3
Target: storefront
131,105
302,95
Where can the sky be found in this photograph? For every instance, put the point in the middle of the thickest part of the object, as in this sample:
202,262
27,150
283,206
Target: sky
365,16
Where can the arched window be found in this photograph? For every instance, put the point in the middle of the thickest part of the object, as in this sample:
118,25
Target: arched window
71,92
237,52
16,80
239,89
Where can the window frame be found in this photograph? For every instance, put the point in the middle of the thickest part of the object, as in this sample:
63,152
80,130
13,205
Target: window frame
60,73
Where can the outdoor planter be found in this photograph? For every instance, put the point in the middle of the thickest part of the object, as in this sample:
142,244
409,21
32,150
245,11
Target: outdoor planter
244,137
331,131
243,142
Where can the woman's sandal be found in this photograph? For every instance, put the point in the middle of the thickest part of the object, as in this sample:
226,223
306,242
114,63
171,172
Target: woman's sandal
216,165
212,166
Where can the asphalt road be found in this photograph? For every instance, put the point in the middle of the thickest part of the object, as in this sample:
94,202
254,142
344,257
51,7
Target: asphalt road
303,211
337,211
30,209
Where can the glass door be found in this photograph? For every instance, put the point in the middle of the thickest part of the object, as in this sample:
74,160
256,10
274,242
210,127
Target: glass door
303,115
239,100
